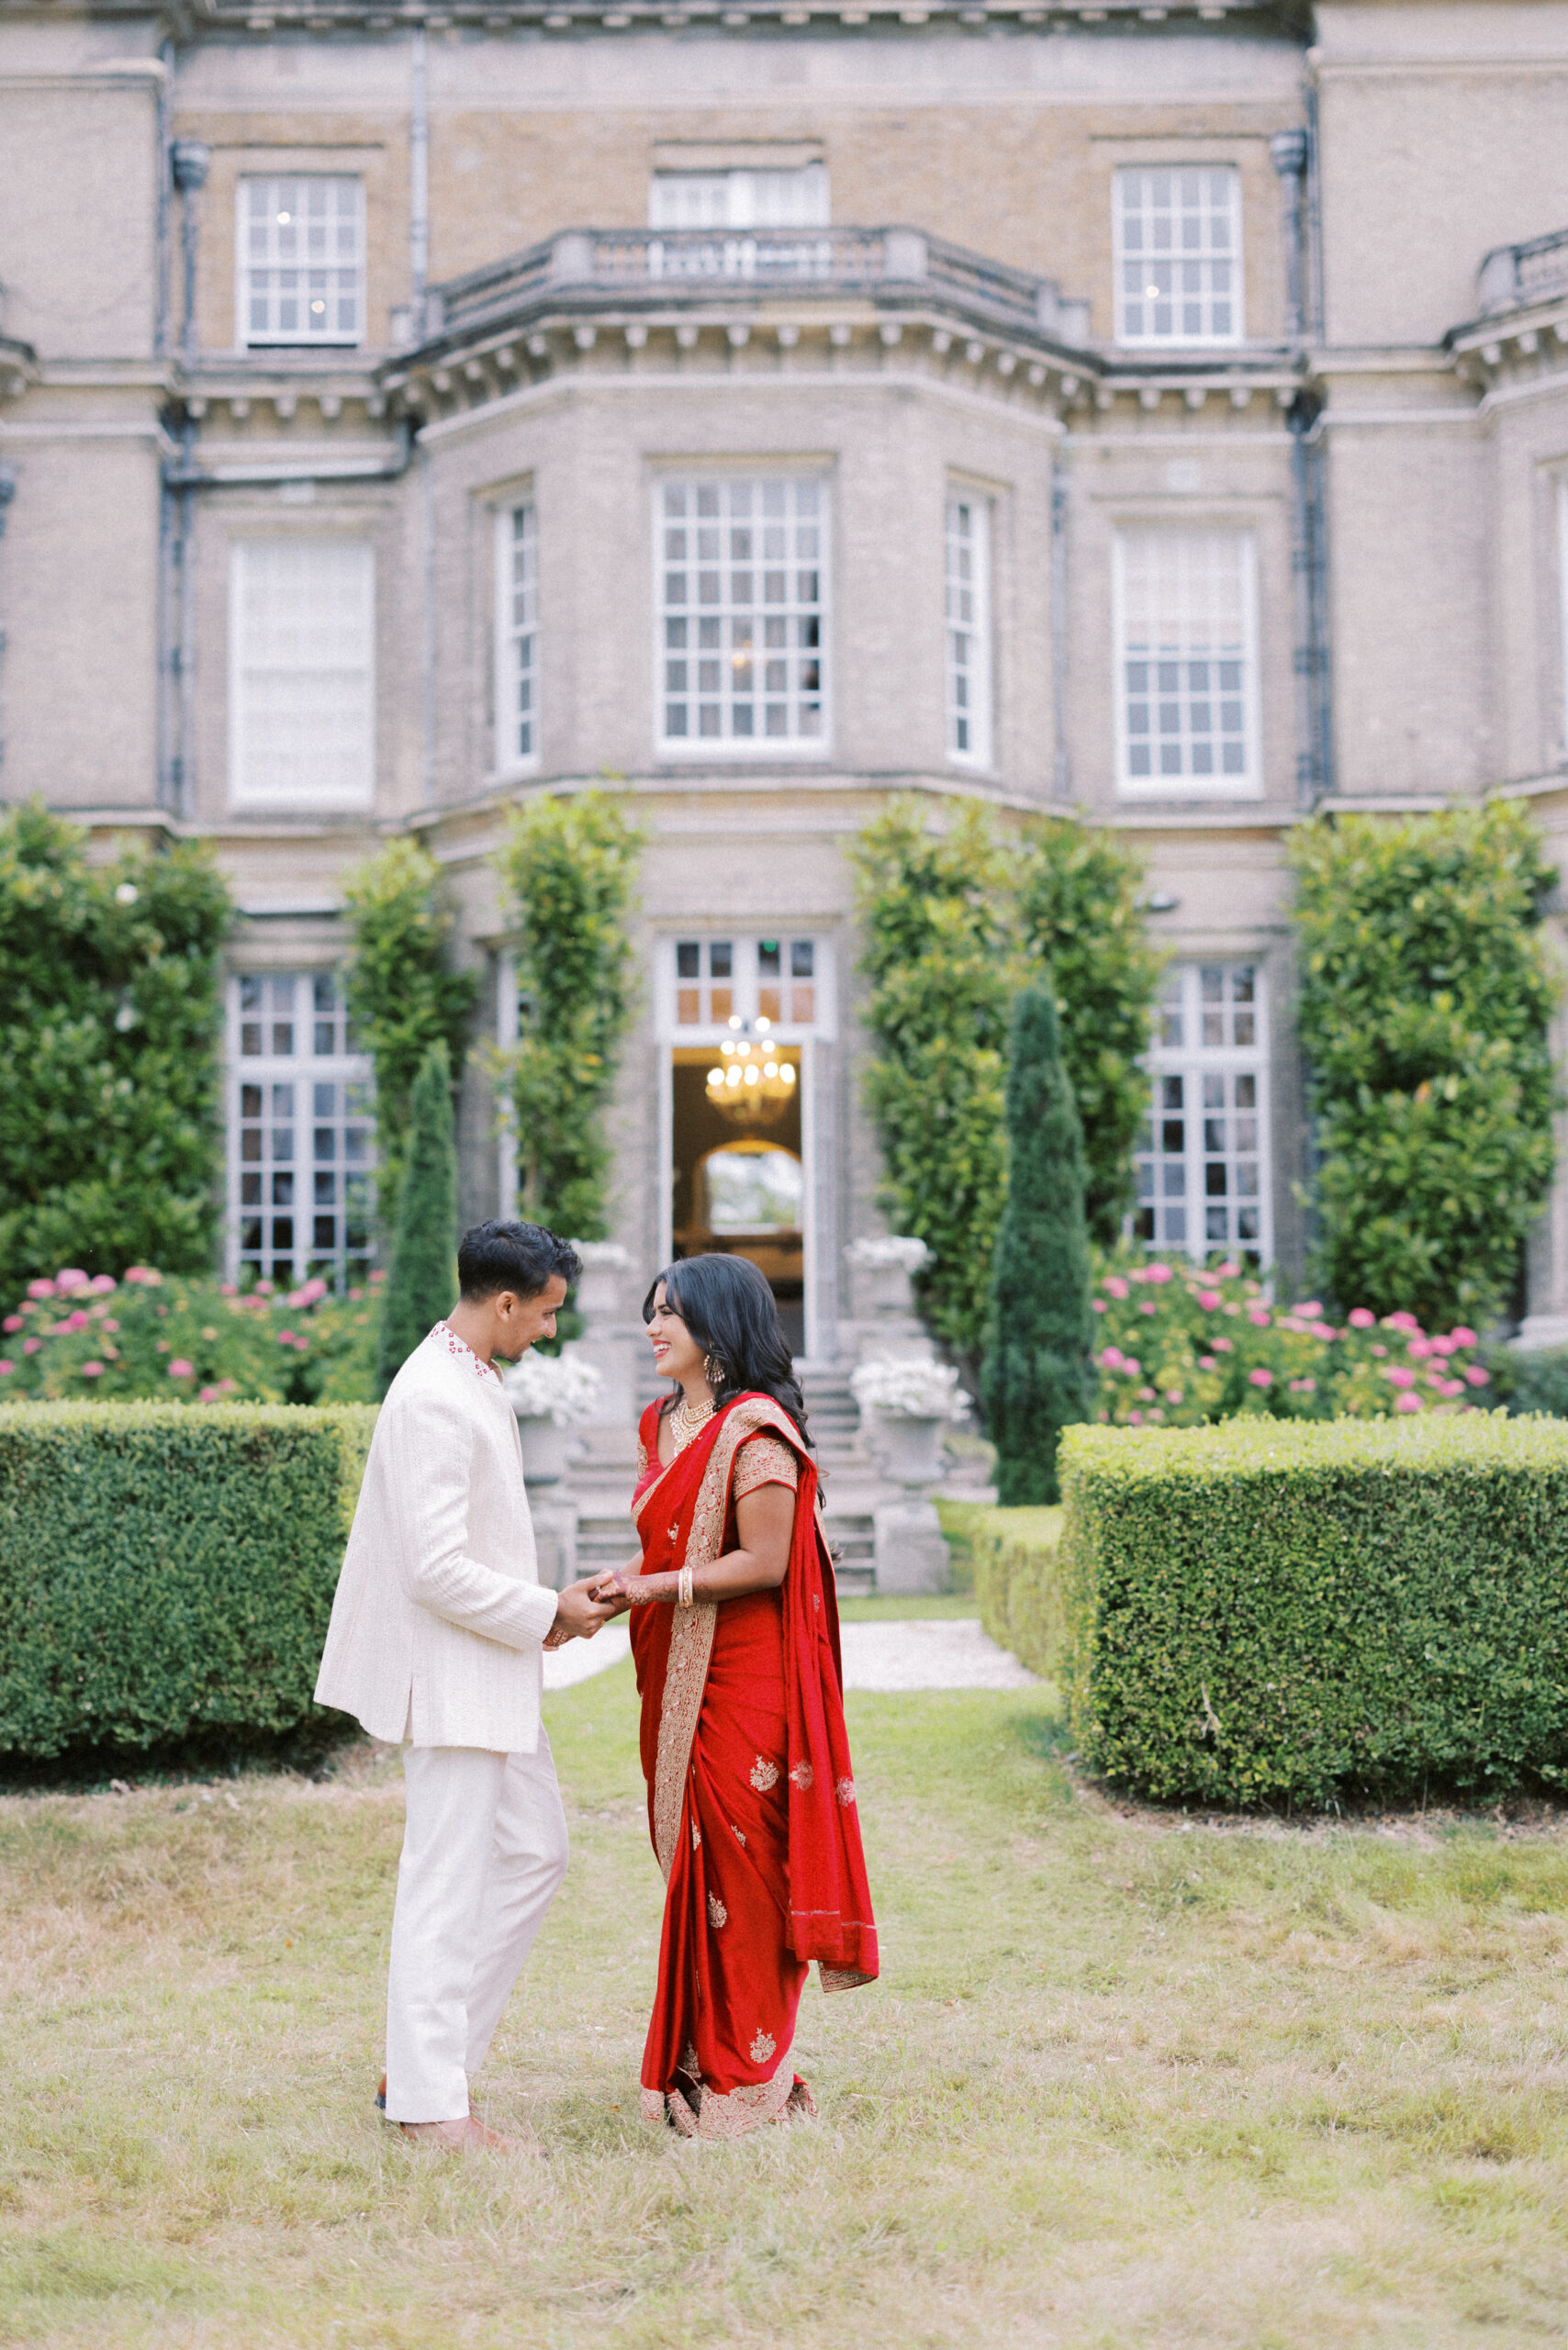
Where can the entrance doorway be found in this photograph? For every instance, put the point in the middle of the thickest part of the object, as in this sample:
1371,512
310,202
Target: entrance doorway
738,1185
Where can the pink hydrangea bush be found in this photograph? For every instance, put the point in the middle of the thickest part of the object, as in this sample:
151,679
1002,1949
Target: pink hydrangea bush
1177,1345
206,1342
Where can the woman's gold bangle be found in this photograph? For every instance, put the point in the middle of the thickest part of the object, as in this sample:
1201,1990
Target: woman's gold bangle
684,1591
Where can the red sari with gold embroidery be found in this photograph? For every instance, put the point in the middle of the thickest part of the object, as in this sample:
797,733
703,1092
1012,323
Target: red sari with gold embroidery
751,1793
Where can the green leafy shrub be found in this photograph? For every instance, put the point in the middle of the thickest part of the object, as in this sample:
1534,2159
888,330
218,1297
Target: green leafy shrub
1080,917
1036,1376
1424,1001
421,1282
569,870
1179,1346
1529,1379
109,1142
167,1572
75,1337
403,995
1267,1613
938,941
1016,1557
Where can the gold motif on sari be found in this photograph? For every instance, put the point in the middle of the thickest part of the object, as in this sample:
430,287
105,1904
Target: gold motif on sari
761,2048
717,1914
764,1774
802,1776
846,1791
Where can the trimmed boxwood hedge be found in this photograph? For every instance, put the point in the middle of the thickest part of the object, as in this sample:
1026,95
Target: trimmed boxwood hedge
167,1570
1277,1612
1016,1556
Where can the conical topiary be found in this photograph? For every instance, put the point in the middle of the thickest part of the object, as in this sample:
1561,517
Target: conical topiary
422,1283
1036,1376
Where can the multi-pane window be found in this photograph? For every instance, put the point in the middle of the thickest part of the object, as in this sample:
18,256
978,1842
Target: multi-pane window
795,198
301,721
517,663
741,588
969,629
301,1132
744,982
1186,661
1202,1161
1177,250
302,259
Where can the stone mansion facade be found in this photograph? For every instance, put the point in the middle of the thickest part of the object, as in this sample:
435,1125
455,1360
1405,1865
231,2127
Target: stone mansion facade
413,405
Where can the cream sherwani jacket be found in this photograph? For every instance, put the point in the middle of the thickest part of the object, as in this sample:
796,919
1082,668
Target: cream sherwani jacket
438,1614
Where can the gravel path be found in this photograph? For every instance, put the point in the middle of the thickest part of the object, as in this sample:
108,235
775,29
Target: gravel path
937,1653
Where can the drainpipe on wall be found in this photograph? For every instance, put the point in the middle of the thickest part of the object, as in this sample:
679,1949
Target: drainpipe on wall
1289,151
1062,774
189,161
419,181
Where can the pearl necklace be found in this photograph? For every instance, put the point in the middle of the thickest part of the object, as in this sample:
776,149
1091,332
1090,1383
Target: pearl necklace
685,1421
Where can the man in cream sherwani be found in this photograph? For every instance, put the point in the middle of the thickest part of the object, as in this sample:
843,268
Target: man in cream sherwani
435,1641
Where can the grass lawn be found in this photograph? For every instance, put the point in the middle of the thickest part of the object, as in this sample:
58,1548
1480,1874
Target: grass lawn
1128,2080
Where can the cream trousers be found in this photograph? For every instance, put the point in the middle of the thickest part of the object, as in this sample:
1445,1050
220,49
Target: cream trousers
484,1853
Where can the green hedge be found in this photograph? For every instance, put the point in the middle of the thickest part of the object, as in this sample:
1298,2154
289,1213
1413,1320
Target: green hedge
1016,1557
167,1570
1273,1612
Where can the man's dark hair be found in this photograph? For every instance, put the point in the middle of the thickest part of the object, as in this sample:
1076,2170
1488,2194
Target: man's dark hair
523,1257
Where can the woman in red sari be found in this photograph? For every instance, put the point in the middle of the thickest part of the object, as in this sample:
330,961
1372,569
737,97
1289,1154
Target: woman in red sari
734,1630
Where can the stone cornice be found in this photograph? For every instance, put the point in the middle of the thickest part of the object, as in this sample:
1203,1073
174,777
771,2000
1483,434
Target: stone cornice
189,21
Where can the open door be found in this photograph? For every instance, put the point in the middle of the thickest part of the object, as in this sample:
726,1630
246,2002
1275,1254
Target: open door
739,1173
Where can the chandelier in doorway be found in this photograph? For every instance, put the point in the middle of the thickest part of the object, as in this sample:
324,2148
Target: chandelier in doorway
752,1084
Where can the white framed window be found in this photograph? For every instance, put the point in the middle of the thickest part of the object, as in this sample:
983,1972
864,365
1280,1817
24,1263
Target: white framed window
1202,1161
299,262
301,673
301,1132
793,198
1177,232
1184,626
516,636
714,988
741,590
969,629
1563,595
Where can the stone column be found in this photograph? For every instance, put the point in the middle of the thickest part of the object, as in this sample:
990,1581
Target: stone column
611,1341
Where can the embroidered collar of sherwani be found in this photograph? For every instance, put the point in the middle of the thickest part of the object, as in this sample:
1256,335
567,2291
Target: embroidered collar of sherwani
439,1618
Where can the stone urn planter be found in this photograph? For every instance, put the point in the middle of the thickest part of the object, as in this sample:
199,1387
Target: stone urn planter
543,1447
909,1445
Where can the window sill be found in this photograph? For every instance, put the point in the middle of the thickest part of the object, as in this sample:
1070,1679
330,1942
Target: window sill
1189,788
738,753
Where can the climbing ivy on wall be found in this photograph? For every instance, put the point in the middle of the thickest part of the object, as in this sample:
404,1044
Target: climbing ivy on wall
109,1038
569,870
1425,995
403,995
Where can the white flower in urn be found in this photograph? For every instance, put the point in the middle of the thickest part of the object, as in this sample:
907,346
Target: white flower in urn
562,1388
910,1390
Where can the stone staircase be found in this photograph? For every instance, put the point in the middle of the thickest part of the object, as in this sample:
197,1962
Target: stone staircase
606,1537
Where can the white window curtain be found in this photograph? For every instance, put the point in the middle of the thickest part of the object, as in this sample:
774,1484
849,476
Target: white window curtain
1185,622
301,673
794,199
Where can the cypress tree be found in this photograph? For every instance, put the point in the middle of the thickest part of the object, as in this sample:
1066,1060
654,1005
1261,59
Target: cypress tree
1036,1376
422,1283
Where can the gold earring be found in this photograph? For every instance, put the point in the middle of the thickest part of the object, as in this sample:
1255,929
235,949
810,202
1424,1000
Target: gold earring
712,1370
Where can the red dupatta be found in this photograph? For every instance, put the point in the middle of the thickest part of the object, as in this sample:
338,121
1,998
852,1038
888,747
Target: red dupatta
681,1514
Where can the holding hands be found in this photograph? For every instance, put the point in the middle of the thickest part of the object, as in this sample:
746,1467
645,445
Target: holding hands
578,1614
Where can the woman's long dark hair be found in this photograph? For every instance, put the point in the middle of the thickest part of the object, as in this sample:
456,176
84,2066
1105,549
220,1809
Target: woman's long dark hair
728,1307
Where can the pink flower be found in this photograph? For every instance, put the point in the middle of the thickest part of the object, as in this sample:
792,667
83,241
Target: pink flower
1435,1346
40,1289
13,1321
1453,1387
1231,1306
1099,1304
1225,1346
1380,1350
1400,1375
1304,1386
1135,1420
1157,1273
1206,1363
1226,1272
1174,1394
1261,1378
31,1346
145,1274
1419,1350
76,1321
1208,1299
1114,1285
1407,1403
1131,1365
1435,1379
286,1338
355,1295
70,1277
1146,1395
1478,1375
1325,1330
110,1325
161,1346
263,1289
207,1395
1259,1316
102,1285
227,1386
228,1289
181,1368
1402,1322
6,1367
1312,1307
92,1371
1111,1359
1148,1306
1360,1319
1463,1338
1156,1414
